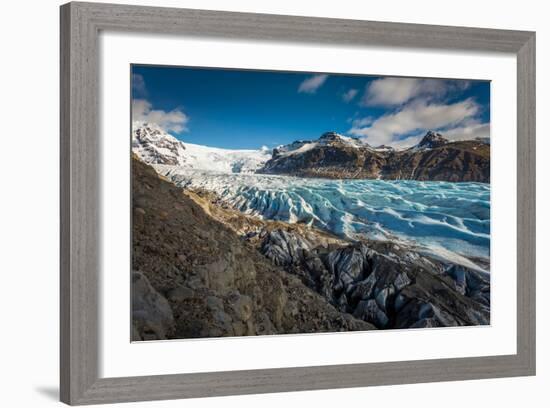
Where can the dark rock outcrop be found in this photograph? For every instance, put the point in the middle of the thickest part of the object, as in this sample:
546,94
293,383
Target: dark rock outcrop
432,140
385,284
152,316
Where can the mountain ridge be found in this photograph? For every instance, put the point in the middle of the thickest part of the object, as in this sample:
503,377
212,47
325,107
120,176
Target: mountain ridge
434,158
431,140
155,146
332,156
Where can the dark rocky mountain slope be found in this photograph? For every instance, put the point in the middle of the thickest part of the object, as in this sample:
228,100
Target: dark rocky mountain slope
337,156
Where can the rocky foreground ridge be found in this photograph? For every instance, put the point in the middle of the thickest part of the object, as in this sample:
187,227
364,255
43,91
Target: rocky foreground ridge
195,277
335,156
203,270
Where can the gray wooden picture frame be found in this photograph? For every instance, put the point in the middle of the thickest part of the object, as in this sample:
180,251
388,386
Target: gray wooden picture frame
81,24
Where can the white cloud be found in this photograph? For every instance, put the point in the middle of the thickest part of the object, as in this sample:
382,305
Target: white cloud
138,85
417,116
397,91
311,84
408,141
471,130
172,121
361,122
466,131
349,95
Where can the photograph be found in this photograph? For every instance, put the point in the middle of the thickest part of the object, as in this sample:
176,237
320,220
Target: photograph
275,204
279,203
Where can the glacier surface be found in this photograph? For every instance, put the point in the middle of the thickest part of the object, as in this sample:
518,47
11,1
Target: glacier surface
449,219
155,146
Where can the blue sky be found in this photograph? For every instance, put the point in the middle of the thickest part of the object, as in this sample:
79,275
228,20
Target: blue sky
242,109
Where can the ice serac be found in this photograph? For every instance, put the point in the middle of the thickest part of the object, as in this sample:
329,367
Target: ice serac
449,219
155,146
339,157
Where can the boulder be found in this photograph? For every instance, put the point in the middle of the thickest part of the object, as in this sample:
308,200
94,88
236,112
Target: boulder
284,248
152,316
241,306
369,311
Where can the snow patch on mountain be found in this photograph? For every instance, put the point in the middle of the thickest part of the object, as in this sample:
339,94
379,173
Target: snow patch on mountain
327,138
333,137
384,148
431,140
155,146
214,159
295,148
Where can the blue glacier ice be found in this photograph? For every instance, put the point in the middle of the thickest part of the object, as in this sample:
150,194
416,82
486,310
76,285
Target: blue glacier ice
449,217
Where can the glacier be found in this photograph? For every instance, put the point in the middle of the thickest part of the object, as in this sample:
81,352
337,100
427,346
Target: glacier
154,145
225,160
448,220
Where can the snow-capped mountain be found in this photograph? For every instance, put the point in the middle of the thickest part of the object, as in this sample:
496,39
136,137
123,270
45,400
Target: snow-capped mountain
155,146
326,139
331,156
224,160
431,140
339,157
384,148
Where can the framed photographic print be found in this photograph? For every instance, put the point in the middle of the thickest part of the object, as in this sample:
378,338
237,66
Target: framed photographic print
259,203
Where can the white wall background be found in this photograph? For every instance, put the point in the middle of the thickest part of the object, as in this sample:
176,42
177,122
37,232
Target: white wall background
29,202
